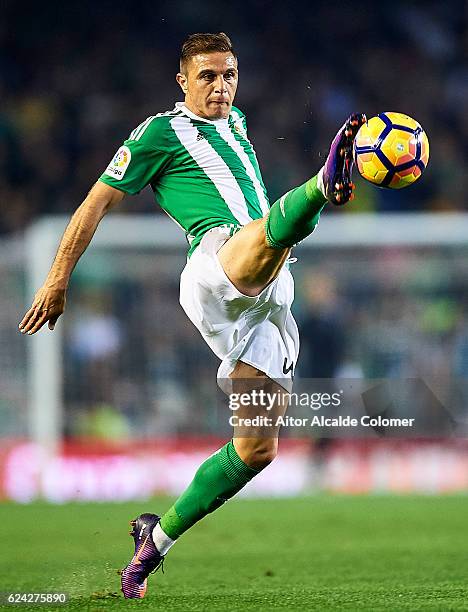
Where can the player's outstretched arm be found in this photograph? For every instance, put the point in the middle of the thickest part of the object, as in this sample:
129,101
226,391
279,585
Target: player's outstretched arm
49,301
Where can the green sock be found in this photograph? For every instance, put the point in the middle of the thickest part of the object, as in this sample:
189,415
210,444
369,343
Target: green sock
295,215
217,479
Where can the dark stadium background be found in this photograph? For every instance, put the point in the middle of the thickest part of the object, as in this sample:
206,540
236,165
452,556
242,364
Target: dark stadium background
76,78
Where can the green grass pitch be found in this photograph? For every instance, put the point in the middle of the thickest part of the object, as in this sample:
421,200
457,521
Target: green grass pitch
310,553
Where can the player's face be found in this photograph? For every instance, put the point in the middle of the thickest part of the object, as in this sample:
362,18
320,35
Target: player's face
209,84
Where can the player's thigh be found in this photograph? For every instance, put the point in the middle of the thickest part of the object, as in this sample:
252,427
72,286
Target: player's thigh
262,401
248,260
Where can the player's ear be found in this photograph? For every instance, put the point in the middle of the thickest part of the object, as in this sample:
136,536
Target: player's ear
182,80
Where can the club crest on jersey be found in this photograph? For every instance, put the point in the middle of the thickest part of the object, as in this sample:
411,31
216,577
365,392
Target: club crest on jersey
119,163
240,128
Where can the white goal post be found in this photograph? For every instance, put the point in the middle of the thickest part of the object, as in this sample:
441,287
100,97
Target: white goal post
141,231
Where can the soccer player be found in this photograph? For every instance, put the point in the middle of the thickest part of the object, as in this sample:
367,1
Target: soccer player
236,287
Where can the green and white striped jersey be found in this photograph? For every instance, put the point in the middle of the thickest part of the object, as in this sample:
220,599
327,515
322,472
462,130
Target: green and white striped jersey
203,173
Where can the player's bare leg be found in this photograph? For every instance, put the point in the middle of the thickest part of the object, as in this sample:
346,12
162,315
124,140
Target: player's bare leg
249,261
257,445
253,257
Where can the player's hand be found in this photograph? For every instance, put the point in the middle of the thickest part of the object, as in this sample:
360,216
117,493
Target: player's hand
336,174
48,305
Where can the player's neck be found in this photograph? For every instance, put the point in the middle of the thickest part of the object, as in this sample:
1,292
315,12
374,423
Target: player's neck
192,112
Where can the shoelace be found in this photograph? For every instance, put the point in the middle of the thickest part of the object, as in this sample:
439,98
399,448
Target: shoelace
160,565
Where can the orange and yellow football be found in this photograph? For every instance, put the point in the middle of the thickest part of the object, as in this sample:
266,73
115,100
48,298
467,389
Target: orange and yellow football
391,150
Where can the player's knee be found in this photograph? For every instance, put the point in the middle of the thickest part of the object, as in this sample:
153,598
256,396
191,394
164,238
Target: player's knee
257,453
262,455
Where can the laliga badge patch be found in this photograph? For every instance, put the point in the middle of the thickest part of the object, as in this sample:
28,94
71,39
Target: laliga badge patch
119,163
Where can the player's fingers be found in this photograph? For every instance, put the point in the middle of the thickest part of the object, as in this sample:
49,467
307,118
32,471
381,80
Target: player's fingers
25,320
52,323
30,322
38,324
38,313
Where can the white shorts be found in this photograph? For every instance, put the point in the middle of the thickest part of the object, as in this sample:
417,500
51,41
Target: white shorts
260,330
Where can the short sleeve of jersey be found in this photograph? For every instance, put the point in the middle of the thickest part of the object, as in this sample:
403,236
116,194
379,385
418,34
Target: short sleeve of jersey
140,160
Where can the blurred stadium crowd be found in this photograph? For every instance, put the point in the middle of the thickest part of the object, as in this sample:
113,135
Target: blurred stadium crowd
75,81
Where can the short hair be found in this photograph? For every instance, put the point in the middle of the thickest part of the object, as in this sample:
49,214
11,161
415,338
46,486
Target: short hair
204,43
